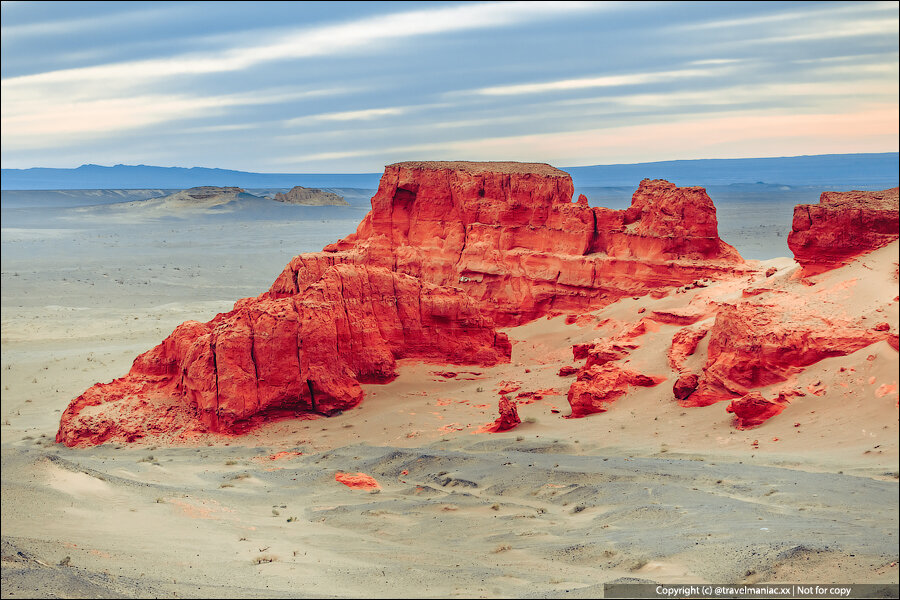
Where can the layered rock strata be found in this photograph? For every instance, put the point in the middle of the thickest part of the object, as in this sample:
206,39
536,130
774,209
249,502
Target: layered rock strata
447,251
509,235
298,355
842,226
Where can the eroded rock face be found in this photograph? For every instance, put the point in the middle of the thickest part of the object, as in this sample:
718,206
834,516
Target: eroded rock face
755,344
509,235
302,354
448,249
842,226
599,386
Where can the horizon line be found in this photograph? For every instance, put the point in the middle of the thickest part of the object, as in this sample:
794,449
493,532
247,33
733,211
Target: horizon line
376,172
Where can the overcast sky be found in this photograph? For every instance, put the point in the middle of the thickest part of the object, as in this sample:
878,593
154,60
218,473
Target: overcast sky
350,87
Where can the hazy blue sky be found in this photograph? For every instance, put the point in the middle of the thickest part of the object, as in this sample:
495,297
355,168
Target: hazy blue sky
350,87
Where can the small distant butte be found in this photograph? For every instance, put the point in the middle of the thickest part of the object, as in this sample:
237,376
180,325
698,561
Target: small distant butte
204,192
311,197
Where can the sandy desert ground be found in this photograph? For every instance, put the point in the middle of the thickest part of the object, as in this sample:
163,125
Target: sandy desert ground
648,491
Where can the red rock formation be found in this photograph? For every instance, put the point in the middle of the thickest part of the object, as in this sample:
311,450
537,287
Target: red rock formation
301,354
752,410
680,316
508,419
599,386
753,345
503,241
511,237
684,344
357,481
685,386
842,226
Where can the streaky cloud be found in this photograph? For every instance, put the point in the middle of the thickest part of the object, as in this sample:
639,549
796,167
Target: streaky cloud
323,40
596,82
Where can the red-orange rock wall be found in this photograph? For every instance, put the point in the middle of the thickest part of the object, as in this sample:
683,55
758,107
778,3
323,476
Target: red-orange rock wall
519,246
305,353
842,226
502,242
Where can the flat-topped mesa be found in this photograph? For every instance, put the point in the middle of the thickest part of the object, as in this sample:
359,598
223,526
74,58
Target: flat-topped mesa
204,192
511,237
479,167
310,197
842,226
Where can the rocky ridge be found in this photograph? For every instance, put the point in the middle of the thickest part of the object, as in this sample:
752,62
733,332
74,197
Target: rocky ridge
842,226
448,252
509,235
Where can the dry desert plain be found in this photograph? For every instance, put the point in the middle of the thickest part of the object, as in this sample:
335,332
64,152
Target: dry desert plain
647,491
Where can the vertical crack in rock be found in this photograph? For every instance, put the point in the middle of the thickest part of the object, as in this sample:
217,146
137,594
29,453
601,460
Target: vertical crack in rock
255,367
212,347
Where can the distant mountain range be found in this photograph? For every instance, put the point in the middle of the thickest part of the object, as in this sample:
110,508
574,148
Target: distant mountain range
87,177
840,171
866,171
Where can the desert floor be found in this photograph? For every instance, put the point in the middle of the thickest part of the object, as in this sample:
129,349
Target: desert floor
556,507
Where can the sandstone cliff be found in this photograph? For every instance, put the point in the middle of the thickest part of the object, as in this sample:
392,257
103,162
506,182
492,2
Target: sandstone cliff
274,358
448,250
842,226
509,235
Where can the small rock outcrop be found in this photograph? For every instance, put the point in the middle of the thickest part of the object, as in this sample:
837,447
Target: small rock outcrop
206,196
759,343
507,419
310,197
357,481
752,410
842,226
599,386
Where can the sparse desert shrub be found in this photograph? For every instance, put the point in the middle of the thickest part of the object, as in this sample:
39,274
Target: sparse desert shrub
264,558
